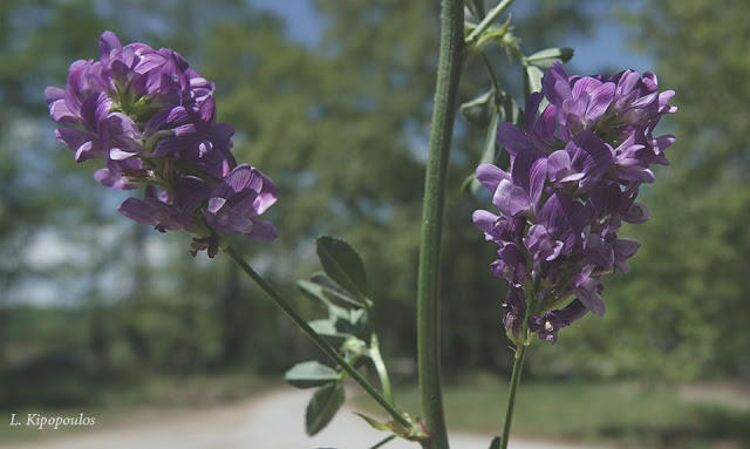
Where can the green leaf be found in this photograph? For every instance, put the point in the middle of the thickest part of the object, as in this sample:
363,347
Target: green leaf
390,426
317,293
327,328
323,327
311,374
495,443
336,293
323,406
412,434
532,79
545,58
313,291
354,323
478,111
348,320
328,293
343,265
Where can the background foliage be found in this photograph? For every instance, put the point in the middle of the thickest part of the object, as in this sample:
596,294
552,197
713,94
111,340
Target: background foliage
341,125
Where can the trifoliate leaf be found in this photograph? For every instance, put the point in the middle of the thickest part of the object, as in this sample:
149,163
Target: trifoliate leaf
545,58
311,374
323,406
532,79
478,111
342,263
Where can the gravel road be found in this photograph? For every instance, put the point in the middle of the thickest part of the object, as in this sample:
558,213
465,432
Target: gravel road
272,421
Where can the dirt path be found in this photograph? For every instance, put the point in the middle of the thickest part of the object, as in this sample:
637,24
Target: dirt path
273,421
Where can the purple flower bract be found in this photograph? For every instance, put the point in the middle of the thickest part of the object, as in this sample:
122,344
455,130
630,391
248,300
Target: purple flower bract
575,172
152,120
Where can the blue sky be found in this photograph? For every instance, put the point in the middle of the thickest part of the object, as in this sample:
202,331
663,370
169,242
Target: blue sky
608,47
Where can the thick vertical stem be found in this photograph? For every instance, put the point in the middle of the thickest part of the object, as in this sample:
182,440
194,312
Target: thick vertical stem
428,298
515,378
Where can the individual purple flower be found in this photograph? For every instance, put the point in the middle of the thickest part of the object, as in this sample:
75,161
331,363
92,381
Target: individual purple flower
548,325
235,204
165,211
575,172
516,193
514,312
582,163
151,119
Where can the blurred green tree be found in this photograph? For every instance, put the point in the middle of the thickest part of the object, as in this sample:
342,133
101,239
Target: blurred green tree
681,312
341,125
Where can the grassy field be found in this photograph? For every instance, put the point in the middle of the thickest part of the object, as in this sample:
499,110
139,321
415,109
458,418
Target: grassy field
625,414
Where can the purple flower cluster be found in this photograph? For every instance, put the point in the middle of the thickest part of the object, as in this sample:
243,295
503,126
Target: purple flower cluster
152,120
575,172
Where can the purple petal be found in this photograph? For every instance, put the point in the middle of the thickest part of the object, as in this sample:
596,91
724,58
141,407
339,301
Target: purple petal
60,113
661,143
94,110
599,252
137,210
215,204
191,192
52,93
117,154
599,102
587,293
664,98
585,86
572,312
490,175
532,108
484,221
635,173
537,178
558,164
149,61
514,140
598,155
637,214
240,178
555,84
108,41
624,249
263,231
267,195
511,200
72,137
176,116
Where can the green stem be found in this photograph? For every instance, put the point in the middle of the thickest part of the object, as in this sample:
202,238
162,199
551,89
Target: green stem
428,282
384,441
491,72
317,339
381,368
487,21
515,377
514,381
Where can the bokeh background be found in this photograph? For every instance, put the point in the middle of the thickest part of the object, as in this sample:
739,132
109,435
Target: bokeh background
332,99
